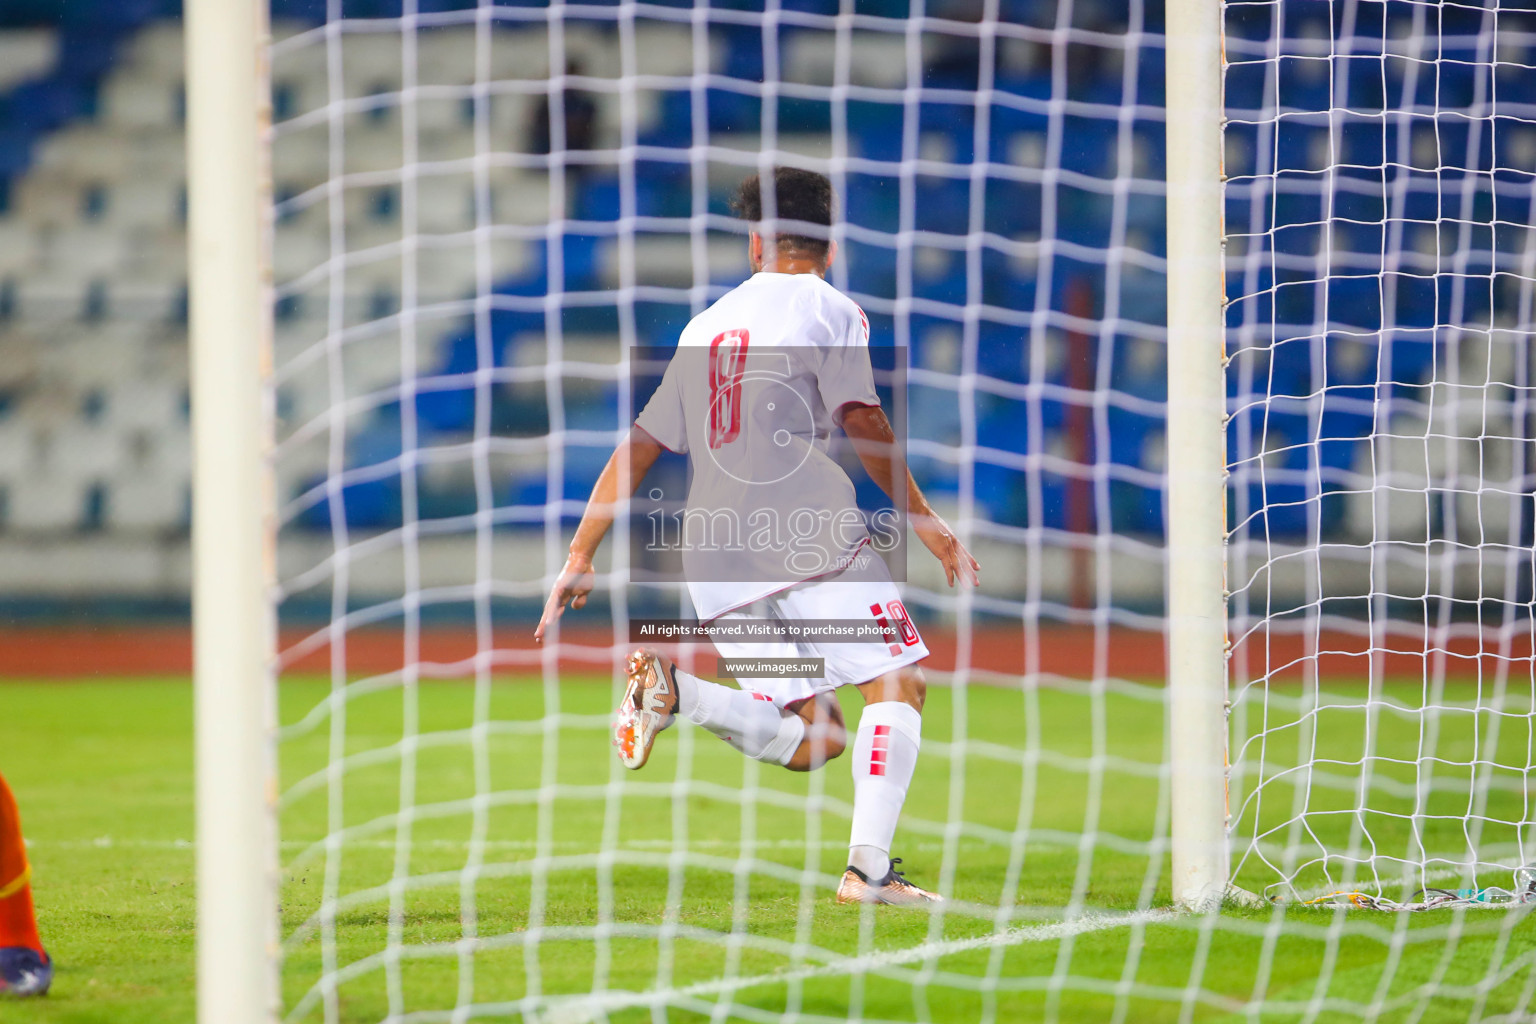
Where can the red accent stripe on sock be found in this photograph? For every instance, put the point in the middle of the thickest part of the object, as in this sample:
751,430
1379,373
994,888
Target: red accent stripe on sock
878,748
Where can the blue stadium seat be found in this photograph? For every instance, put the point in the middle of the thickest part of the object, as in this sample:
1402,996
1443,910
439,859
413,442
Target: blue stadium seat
933,414
1002,351
367,505
1283,511
942,204
1128,434
955,122
875,129
1003,493
1151,77
1136,509
582,465
1004,423
660,323
1083,216
1134,373
1143,295
1087,146
873,202
871,268
1244,84
598,199
948,286
1304,81
1354,301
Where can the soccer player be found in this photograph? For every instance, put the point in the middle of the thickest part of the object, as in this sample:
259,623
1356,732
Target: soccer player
25,969
753,392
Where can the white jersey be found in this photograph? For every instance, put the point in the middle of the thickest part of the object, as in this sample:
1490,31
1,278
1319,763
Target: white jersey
751,395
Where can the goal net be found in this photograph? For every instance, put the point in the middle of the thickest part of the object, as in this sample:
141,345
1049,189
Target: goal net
1378,204
484,214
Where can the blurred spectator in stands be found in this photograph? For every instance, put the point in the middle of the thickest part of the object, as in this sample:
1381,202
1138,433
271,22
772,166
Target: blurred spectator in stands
580,116
580,119
953,61
1093,68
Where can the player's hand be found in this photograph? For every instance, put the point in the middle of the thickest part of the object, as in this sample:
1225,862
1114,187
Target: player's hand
946,547
573,586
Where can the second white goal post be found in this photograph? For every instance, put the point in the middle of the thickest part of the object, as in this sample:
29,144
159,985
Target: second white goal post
1197,670
234,510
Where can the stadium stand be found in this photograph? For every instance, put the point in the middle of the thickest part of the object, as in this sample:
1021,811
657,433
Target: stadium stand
93,268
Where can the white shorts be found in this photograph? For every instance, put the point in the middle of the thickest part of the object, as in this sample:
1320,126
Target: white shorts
858,593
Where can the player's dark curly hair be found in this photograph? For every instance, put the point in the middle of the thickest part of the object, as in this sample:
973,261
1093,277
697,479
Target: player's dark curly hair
798,195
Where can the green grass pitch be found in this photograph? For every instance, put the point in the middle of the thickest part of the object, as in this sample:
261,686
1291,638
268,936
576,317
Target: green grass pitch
103,771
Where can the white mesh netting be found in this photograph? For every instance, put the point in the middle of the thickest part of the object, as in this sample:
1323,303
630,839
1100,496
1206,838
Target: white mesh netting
1378,211
484,211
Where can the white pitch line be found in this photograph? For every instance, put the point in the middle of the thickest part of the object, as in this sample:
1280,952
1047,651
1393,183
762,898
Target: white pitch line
588,1008
111,842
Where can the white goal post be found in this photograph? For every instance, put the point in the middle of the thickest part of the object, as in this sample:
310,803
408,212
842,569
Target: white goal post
1197,609
229,207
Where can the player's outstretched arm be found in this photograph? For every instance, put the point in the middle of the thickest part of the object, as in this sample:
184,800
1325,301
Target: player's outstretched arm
875,443
626,468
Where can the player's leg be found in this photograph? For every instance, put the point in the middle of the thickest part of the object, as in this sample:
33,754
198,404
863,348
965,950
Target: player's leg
25,969
884,757
889,736
659,691
826,735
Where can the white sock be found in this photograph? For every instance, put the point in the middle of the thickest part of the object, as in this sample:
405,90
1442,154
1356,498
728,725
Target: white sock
756,727
884,756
